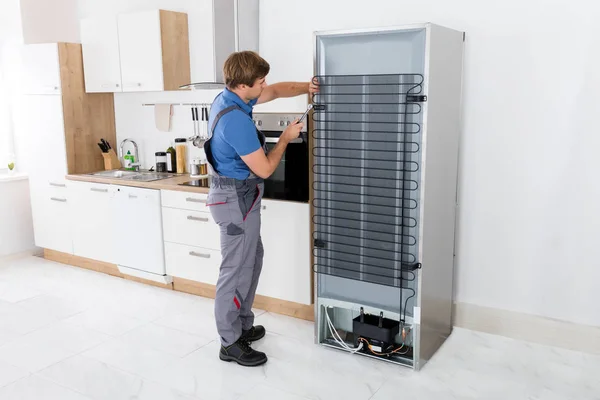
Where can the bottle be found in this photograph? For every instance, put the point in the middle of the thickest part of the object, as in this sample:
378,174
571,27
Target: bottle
171,160
131,159
181,150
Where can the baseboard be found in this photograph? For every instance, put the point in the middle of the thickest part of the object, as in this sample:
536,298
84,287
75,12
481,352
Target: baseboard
531,328
270,304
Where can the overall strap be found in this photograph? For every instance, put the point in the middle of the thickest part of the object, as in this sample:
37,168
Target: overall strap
220,115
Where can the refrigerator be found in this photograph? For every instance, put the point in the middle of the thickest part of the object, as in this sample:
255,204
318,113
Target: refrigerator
384,163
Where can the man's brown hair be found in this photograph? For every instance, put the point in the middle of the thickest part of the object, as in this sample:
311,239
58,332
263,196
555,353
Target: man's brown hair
244,68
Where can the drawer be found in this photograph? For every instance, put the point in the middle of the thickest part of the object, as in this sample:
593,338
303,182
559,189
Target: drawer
193,263
184,200
192,228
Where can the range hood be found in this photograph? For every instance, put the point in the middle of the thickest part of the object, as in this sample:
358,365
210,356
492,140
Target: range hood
235,28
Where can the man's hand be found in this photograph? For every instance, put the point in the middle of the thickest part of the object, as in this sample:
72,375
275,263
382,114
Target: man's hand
293,131
313,86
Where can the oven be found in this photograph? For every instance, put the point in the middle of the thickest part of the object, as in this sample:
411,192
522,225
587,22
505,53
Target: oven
290,179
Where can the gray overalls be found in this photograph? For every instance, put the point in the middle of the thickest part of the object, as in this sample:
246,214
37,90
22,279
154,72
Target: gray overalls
235,206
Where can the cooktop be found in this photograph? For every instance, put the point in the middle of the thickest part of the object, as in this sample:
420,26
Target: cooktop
196,183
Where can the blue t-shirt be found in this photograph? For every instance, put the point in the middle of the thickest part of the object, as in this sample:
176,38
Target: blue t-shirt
234,136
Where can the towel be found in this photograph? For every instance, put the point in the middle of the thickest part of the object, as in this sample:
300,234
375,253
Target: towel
162,117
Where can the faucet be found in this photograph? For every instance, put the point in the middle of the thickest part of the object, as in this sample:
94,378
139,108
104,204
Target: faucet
128,163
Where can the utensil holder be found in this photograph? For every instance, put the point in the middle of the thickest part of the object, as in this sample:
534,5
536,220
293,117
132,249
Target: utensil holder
111,161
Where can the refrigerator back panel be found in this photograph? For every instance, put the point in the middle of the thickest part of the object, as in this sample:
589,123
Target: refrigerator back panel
375,52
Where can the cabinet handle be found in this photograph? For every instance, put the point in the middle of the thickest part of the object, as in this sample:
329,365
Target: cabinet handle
57,199
193,200
201,219
193,253
99,190
118,85
264,207
58,184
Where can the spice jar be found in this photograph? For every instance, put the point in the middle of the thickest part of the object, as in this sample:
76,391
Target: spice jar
203,167
181,154
161,161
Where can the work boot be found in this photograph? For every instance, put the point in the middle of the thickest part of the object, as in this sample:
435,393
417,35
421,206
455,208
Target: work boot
253,334
243,354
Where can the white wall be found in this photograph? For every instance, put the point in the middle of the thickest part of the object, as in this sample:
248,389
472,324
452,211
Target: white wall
16,226
528,189
49,21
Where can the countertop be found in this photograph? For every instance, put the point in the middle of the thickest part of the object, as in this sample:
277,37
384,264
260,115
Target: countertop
163,184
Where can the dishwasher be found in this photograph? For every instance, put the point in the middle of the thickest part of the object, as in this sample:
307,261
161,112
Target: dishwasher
138,239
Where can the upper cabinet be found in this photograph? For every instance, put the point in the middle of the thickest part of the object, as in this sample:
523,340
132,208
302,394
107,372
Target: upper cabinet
138,52
100,39
41,69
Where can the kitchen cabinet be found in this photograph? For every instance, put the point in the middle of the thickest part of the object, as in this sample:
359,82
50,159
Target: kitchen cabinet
40,69
45,160
136,52
93,227
192,244
57,126
50,208
285,233
101,58
136,226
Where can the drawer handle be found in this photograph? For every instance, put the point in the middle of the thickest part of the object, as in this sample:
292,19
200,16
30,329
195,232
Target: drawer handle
193,253
193,200
57,184
132,196
99,190
201,219
57,199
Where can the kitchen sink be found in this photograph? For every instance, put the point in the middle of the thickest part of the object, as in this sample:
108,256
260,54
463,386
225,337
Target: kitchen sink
142,176
115,174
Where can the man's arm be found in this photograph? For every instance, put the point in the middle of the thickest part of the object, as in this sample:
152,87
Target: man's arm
264,165
287,89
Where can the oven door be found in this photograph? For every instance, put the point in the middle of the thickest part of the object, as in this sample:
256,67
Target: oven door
290,179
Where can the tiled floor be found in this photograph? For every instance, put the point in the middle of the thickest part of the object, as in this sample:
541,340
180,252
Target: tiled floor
67,333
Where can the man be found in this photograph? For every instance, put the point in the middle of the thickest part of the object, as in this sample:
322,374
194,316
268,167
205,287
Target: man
239,162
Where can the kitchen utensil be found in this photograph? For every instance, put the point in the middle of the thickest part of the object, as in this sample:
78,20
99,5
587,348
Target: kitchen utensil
102,147
194,116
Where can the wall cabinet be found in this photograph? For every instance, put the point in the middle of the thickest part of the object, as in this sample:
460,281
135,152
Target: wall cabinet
136,52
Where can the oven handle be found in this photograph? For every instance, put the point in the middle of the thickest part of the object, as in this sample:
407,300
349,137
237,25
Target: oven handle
276,140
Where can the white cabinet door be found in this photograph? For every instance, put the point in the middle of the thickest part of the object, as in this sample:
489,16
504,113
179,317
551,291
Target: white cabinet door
40,69
286,238
93,228
141,51
50,209
137,229
39,128
101,60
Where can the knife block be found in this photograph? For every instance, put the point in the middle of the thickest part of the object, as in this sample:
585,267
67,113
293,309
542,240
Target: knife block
111,161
